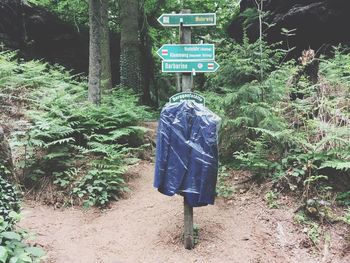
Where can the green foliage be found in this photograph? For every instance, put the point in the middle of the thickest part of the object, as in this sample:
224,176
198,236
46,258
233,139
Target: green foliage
249,105
336,69
255,158
101,184
346,217
12,246
241,63
271,199
76,144
223,188
73,11
8,199
312,229
302,141
196,232
344,198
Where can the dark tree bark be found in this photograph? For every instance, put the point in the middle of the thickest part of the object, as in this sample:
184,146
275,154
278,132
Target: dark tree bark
146,60
106,74
95,52
11,30
130,59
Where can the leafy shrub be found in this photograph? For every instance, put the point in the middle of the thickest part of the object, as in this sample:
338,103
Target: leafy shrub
242,63
346,217
8,199
101,134
79,146
250,105
309,140
223,188
336,69
13,249
12,241
344,198
271,198
303,141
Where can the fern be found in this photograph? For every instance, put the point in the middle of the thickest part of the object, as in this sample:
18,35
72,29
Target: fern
337,165
272,135
69,134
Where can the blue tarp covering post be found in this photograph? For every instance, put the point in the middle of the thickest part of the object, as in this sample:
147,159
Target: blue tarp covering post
187,152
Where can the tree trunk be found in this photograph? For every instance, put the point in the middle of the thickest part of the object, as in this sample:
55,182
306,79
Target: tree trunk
147,59
95,52
130,58
106,74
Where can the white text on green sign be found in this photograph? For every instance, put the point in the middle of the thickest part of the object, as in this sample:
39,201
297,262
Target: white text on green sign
208,19
187,52
187,96
189,66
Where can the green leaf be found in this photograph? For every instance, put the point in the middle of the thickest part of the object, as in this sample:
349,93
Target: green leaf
15,216
11,235
24,257
3,254
14,260
35,251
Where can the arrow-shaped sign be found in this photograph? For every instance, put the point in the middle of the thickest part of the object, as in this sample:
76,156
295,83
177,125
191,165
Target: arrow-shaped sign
189,66
172,52
208,19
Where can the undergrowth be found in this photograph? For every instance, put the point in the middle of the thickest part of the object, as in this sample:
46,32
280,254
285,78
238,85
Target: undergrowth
13,246
71,143
297,134
9,200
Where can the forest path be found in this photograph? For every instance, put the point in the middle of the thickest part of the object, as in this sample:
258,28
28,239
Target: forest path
147,227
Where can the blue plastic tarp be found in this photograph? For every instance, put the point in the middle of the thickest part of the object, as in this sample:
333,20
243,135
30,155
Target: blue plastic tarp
187,152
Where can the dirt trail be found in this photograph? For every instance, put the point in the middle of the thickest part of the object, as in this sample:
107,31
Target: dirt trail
147,227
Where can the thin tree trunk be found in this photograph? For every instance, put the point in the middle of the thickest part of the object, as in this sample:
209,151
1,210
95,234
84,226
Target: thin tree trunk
130,58
261,37
147,59
260,7
106,74
95,52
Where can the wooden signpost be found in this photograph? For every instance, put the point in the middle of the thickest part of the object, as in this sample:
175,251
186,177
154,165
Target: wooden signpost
188,59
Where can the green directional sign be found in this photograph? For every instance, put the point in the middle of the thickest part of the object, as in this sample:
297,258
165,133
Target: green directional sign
187,96
187,52
189,66
208,19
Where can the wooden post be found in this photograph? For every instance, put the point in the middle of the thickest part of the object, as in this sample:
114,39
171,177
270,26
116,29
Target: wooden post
185,38
178,82
188,226
187,82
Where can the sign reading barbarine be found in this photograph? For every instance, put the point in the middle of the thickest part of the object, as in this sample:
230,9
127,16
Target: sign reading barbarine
189,66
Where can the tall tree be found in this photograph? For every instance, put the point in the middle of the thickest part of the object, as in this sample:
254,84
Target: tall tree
130,58
95,52
106,74
147,66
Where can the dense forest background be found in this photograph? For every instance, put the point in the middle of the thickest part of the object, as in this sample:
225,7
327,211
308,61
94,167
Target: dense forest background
79,79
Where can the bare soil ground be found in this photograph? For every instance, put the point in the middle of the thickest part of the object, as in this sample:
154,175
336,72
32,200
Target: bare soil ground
147,227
